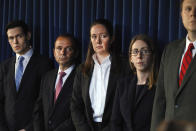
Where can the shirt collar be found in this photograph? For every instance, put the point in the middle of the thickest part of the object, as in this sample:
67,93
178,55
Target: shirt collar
27,55
188,42
68,70
106,60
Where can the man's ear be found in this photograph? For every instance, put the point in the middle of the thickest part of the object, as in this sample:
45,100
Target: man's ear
28,36
112,40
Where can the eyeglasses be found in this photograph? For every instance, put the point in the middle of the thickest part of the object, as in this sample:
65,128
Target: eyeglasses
135,52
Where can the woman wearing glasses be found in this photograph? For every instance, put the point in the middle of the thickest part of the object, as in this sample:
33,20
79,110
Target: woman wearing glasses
134,96
95,81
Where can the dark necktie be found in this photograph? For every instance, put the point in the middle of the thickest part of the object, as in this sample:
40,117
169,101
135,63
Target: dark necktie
59,85
19,72
185,62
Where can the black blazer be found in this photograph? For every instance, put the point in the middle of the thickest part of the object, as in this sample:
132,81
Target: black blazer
49,116
16,107
81,110
131,113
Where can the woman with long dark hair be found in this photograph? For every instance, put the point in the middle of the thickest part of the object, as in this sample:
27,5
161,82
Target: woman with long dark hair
95,81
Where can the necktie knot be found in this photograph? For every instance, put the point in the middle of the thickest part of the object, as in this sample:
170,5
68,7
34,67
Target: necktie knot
191,46
62,74
20,59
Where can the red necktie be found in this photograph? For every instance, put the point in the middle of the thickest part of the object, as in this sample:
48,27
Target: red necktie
59,85
185,62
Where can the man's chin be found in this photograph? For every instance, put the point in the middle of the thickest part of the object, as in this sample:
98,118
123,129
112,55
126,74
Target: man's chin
17,51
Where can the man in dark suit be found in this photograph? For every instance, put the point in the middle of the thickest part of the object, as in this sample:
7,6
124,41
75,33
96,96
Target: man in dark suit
20,78
52,111
176,87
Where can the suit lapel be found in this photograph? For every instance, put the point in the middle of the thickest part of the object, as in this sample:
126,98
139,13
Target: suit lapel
131,95
128,97
12,75
110,88
176,59
51,88
86,96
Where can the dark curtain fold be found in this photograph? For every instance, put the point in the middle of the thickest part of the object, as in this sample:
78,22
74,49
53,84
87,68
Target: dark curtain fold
47,19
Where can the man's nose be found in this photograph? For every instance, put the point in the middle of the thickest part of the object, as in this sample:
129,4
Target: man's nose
63,51
15,40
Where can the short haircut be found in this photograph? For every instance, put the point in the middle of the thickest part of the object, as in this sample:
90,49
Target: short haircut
17,23
75,45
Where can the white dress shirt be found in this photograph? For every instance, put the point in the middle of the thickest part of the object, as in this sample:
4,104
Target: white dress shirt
67,71
186,48
98,87
26,56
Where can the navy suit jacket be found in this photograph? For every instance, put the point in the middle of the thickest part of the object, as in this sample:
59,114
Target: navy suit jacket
16,108
50,116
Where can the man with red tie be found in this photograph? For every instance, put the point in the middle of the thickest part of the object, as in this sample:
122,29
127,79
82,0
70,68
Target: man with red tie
52,110
176,86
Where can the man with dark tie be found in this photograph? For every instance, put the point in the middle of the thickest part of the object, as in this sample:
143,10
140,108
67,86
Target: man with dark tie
52,110
175,97
20,78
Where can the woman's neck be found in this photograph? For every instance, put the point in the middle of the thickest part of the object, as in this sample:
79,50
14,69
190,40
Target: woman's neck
142,77
101,57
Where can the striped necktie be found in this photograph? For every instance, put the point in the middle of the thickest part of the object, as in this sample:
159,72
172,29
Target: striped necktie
185,62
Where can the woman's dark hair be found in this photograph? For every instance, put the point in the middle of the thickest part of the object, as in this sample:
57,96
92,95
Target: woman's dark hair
181,3
154,65
89,61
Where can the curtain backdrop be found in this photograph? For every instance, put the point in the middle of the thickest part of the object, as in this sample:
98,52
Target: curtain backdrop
47,19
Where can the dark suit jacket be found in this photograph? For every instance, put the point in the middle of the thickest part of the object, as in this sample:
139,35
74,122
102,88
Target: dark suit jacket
49,116
81,110
131,113
171,101
16,107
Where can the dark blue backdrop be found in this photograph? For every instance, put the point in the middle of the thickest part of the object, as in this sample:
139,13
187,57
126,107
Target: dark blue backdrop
48,18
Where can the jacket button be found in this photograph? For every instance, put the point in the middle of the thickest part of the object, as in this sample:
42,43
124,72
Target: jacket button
49,122
176,106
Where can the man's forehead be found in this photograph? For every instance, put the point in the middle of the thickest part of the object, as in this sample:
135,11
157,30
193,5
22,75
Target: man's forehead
15,31
63,41
63,38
